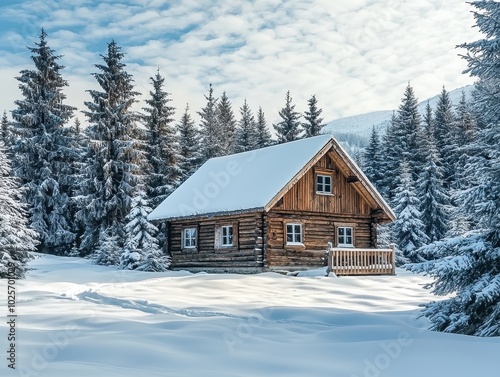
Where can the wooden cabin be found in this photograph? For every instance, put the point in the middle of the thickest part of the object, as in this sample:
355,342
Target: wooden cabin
276,208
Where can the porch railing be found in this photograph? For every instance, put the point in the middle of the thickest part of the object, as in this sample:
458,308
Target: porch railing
352,261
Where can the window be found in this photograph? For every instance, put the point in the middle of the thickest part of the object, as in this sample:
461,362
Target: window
345,236
293,234
227,235
189,238
323,184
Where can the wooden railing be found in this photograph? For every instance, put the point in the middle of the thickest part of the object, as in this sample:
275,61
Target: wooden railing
351,261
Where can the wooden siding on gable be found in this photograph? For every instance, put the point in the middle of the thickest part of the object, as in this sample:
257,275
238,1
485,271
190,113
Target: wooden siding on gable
344,199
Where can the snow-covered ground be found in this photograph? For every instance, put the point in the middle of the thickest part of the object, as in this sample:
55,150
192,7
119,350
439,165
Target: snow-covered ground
76,319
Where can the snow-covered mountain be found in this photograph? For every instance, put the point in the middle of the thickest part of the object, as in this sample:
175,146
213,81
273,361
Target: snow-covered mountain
361,125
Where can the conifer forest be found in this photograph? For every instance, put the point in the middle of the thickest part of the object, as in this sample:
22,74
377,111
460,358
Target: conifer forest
84,189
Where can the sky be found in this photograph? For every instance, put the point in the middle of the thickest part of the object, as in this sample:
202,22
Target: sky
356,56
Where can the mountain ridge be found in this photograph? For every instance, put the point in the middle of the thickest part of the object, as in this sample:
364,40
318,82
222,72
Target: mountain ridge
361,124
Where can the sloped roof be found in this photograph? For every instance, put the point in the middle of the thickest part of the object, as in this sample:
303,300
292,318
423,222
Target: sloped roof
246,181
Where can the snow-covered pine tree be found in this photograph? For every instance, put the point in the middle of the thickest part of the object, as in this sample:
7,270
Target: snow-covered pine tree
372,159
288,129
77,127
314,124
161,144
465,124
142,250
226,124
5,131
211,145
408,227
434,199
189,157
408,123
113,169
109,249
81,147
465,146
391,150
44,149
429,128
246,132
16,238
263,134
465,140
469,267
445,136
400,142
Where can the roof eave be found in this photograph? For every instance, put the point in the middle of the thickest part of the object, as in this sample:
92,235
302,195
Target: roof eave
209,215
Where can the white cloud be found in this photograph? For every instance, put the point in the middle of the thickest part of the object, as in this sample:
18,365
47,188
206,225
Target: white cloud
355,55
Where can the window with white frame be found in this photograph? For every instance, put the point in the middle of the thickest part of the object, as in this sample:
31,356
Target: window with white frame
345,236
323,184
226,235
189,238
293,234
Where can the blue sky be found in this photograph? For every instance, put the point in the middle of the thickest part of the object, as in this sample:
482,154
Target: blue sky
355,55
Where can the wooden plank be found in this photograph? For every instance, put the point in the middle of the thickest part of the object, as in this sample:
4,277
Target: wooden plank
361,261
299,175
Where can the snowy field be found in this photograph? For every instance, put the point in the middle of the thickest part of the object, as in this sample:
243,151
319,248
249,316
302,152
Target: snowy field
77,320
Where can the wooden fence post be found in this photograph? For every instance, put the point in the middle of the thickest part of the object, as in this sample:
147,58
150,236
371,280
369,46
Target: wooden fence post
393,258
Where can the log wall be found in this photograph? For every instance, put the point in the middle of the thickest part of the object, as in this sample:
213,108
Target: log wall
246,252
317,231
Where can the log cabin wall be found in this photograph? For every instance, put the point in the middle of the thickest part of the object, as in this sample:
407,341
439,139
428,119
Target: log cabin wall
246,254
320,216
317,231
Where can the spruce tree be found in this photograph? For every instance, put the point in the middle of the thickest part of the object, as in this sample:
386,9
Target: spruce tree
467,270
445,135
401,142
408,227
373,159
391,150
429,121
211,145
161,145
465,125
189,157
112,171
264,138
408,123
314,124
226,125
44,149
5,131
464,147
288,129
465,141
142,250
246,133
77,127
434,199
16,237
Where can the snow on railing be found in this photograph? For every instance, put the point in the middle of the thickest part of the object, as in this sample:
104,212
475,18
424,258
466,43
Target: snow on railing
352,261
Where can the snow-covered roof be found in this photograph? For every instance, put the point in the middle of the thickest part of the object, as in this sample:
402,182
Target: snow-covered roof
243,181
